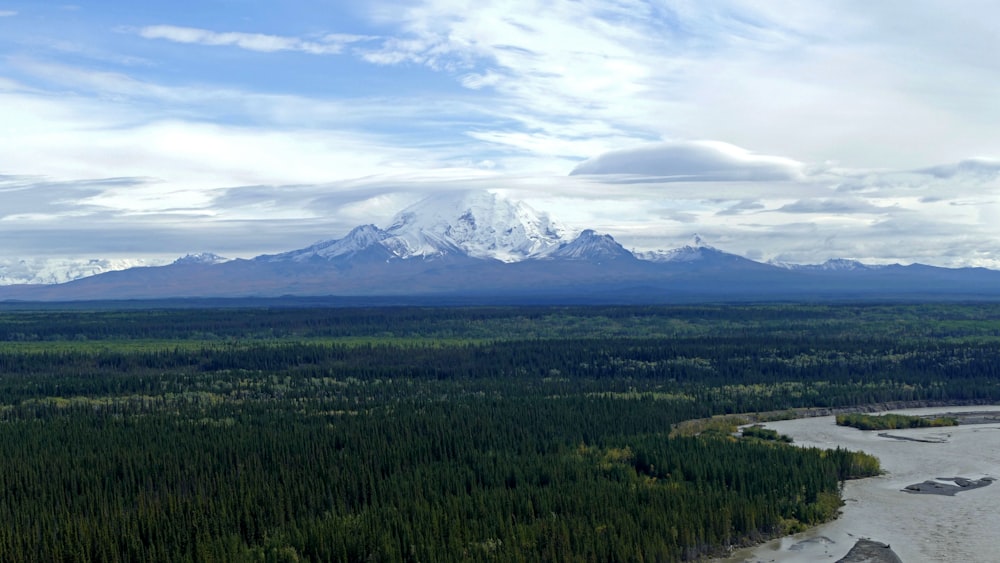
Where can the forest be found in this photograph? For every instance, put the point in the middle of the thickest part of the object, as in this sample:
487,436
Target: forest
447,433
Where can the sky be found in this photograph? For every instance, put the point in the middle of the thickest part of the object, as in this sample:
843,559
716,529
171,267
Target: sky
786,130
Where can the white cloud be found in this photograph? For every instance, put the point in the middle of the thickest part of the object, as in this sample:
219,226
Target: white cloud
831,207
985,168
183,164
692,161
475,81
329,44
124,98
197,154
104,123
552,65
104,83
850,82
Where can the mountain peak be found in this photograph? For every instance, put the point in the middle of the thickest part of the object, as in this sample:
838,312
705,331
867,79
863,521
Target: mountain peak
359,239
696,250
843,264
201,258
477,223
591,245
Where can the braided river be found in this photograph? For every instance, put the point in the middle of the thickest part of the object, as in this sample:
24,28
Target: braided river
920,528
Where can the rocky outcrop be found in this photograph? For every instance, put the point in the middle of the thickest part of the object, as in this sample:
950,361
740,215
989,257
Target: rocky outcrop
868,551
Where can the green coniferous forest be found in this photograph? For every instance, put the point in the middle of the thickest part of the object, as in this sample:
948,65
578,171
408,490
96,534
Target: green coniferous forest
444,434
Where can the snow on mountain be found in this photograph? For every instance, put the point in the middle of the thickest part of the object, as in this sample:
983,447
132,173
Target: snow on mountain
590,246
695,250
832,265
60,270
201,258
479,224
360,238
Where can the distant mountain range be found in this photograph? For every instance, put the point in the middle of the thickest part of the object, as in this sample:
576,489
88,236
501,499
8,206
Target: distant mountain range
479,248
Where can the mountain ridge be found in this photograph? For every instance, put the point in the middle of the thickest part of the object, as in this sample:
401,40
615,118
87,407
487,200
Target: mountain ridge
481,246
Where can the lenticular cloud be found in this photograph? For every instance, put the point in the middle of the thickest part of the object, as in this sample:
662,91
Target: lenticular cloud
705,161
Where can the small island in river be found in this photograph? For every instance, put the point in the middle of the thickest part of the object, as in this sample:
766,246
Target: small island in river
892,421
868,551
936,487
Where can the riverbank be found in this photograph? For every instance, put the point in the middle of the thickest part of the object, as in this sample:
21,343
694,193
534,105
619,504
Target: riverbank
696,425
919,527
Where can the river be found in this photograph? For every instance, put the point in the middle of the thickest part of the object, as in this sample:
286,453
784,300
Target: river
920,528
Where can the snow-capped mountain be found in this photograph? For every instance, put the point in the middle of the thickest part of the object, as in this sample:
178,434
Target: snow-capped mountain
478,224
361,239
61,270
697,254
590,246
696,249
832,265
201,258
473,224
